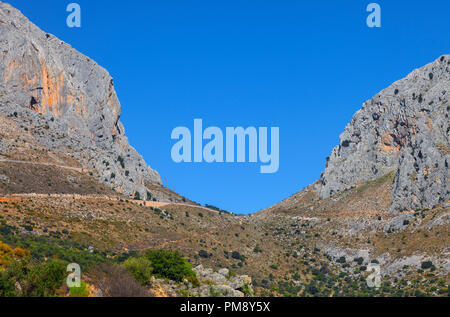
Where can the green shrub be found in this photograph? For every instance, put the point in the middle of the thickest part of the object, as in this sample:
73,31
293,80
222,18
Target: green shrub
53,246
237,256
170,264
213,292
7,287
81,291
204,254
44,279
257,249
247,290
121,161
35,280
140,268
426,265
193,280
359,260
274,267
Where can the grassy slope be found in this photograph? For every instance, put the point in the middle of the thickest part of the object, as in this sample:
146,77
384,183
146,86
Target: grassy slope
284,248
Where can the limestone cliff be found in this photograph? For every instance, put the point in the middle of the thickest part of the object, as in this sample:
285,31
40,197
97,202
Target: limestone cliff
44,80
404,128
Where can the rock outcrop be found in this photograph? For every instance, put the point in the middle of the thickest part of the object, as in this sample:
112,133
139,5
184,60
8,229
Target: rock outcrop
212,284
404,128
45,82
222,283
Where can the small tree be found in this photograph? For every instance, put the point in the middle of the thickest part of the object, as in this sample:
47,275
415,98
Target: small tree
171,265
427,265
140,268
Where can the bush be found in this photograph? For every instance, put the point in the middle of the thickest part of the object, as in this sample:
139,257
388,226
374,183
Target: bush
237,256
115,281
7,287
44,279
346,143
41,247
170,264
359,260
247,290
140,268
81,291
312,289
426,265
257,249
204,254
213,292
121,161
35,280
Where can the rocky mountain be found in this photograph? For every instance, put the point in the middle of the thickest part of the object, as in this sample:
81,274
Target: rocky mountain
405,129
46,83
64,158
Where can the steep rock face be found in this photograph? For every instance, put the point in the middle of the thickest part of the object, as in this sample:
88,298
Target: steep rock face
44,80
404,128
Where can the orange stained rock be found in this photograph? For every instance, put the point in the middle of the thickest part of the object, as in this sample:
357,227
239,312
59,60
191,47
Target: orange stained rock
27,81
10,70
386,144
429,124
51,90
52,96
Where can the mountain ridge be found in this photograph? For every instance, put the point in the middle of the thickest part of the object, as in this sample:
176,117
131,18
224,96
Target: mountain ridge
404,128
45,80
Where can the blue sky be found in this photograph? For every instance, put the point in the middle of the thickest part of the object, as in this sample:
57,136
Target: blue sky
303,67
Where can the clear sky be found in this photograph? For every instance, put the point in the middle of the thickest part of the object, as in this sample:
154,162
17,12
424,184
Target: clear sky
303,66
